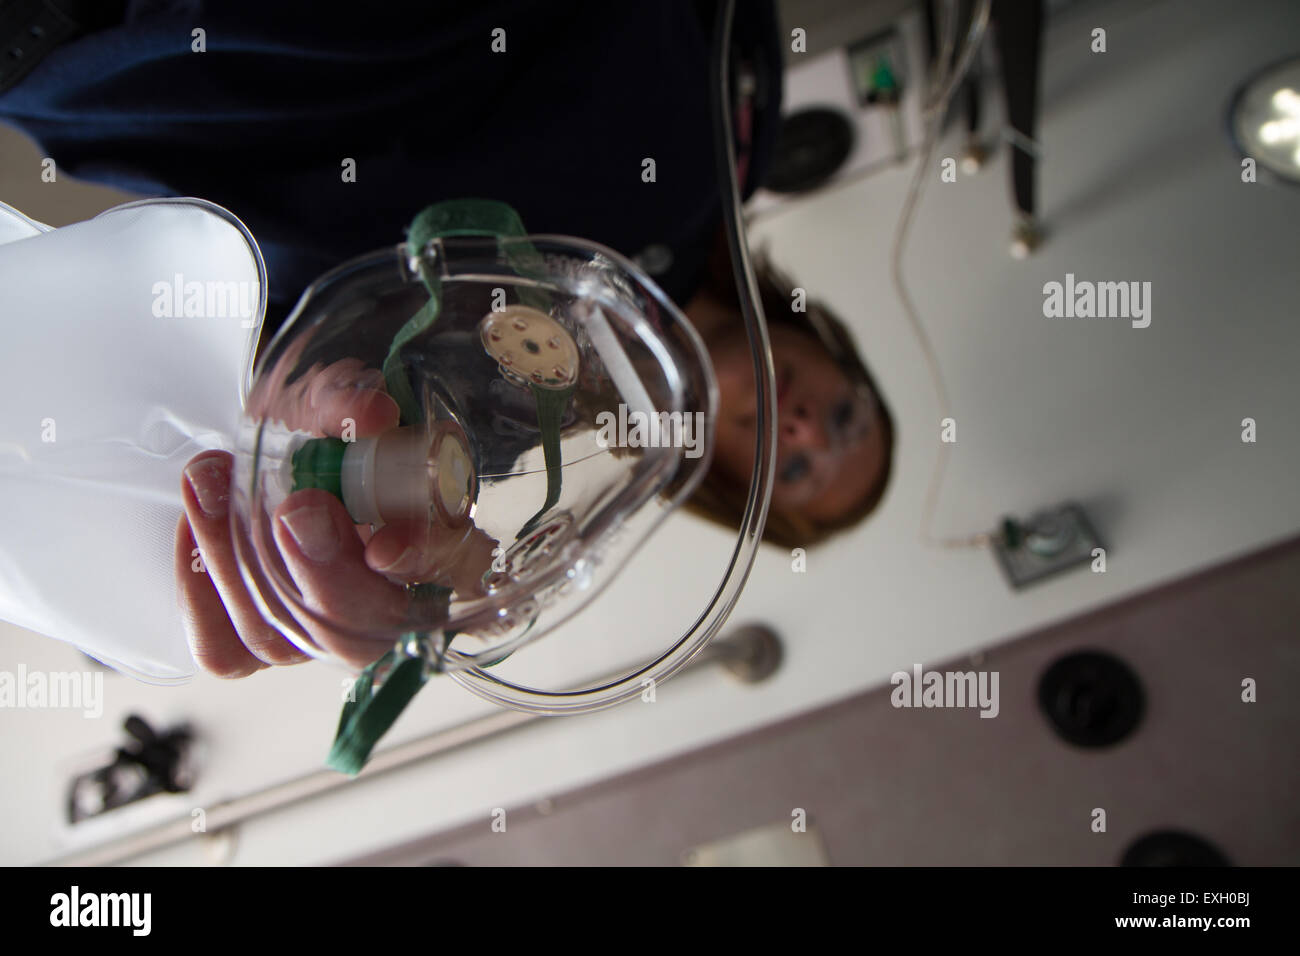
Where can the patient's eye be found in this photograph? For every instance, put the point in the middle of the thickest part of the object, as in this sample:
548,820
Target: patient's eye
842,415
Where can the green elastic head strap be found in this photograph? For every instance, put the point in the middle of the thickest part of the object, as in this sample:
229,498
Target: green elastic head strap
383,689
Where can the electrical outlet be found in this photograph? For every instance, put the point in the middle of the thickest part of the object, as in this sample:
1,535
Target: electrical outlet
1050,541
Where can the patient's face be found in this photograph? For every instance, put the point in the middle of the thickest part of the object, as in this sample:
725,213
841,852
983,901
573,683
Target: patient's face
830,449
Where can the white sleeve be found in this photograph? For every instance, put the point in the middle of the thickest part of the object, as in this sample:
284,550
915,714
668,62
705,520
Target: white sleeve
125,349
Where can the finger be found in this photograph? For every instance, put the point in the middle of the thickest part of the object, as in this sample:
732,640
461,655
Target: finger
419,551
212,638
270,384
323,400
326,559
206,493
347,390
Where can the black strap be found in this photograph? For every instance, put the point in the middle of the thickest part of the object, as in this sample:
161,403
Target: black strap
30,29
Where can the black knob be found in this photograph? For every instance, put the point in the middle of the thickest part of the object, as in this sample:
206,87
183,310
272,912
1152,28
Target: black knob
1172,848
811,146
1091,698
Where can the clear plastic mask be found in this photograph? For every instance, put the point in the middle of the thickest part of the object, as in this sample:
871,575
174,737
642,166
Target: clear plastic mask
536,339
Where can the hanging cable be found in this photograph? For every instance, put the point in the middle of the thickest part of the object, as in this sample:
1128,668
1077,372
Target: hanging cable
946,83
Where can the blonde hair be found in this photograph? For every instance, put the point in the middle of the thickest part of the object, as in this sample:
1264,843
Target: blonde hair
721,497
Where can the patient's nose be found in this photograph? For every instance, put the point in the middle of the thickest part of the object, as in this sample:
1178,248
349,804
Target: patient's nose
800,427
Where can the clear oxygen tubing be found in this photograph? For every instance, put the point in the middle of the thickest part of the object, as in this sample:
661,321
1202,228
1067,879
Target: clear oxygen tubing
715,613
936,108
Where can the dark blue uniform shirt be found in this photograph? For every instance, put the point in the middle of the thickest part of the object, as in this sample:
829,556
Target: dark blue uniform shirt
558,125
